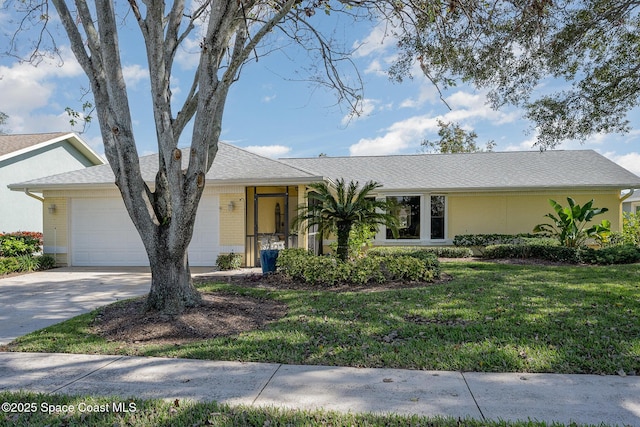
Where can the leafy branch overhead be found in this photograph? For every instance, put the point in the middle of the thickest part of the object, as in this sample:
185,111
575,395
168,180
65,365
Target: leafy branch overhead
511,47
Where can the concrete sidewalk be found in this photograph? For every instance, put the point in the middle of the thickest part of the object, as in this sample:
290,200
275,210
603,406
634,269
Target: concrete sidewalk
584,399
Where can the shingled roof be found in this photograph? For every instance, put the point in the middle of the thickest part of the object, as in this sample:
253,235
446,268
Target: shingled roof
477,171
13,145
499,171
232,165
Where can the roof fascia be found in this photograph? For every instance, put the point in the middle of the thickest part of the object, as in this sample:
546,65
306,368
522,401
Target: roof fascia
392,191
216,183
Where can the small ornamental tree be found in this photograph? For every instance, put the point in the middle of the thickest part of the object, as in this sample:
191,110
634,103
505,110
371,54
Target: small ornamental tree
340,208
570,223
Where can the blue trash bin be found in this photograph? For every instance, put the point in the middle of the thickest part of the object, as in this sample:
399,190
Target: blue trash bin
268,259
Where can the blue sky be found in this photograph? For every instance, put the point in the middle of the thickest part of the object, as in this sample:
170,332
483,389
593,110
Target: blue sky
272,112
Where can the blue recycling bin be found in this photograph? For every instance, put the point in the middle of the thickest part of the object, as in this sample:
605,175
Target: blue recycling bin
268,258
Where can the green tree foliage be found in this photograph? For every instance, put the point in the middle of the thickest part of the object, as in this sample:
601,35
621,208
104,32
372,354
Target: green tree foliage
3,121
454,139
338,209
631,228
510,47
570,223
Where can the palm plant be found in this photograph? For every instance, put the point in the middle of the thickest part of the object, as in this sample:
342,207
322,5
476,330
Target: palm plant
338,208
570,223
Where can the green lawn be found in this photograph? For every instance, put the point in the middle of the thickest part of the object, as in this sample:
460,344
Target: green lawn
490,317
144,413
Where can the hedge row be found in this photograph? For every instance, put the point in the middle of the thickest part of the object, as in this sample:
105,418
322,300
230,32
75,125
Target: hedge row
20,243
624,254
480,240
410,264
440,252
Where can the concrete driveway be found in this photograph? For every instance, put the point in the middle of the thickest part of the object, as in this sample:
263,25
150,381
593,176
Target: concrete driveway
33,301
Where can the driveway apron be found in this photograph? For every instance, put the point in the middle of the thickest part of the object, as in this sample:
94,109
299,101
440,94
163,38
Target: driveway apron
33,301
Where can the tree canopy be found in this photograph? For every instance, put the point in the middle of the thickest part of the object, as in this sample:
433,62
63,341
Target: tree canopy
516,49
454,139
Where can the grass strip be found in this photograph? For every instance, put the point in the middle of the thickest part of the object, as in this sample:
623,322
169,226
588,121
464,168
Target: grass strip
36,409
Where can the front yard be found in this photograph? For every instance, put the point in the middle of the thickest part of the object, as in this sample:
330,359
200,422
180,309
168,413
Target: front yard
488,317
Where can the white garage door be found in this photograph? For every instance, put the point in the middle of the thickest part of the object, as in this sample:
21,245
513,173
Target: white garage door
102,234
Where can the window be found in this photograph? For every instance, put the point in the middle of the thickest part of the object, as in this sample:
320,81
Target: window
437,217
407,210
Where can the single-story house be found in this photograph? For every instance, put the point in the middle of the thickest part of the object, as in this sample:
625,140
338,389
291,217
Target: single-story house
249,199
32,156
632,202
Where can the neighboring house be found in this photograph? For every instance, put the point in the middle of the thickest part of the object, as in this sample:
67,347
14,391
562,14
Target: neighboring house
32,156
632,203
249,199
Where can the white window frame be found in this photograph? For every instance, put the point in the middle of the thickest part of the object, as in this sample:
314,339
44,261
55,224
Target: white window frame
425,221
446,223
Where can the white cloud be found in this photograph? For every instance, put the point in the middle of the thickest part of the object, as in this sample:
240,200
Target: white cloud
408,133
273,151
268,98
377,41
398,137
367,106
629,161
25,87
27,90
134,74
428,93
188,55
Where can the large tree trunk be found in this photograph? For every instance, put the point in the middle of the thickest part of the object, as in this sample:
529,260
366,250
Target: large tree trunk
171,285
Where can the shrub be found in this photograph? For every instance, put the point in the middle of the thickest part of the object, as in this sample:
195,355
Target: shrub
425,255
478,242
27,263
21,243
46,262
230,261
406,267
292,262
631,228
378,266
9,265
542,251
440,251
624,254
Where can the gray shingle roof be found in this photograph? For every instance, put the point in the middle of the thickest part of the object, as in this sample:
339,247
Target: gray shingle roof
232,165
12,143
436,172
477,171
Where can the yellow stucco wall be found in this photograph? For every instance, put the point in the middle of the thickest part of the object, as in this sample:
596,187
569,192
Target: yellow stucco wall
512,213
55,226
232,229
467,213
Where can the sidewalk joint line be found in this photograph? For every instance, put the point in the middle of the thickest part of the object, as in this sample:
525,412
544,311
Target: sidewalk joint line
472,396
266,384
87,374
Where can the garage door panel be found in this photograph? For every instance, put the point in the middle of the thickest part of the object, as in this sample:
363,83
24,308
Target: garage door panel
102,234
